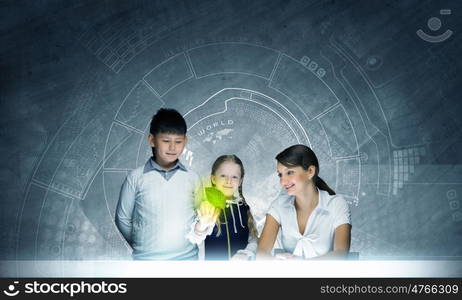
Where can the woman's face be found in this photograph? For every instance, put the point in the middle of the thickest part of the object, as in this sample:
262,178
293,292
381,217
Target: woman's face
227,178
294,179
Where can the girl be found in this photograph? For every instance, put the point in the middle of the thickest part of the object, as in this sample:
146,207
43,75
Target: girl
230,232
314,222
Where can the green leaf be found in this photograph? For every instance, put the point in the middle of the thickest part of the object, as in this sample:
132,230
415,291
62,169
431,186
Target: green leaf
215,197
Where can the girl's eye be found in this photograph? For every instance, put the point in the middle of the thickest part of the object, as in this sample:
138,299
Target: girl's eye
222,176
235,177
279,175
178,142
165,141
290,172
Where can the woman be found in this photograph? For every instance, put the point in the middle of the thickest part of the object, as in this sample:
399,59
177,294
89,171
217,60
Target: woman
229,231
314,222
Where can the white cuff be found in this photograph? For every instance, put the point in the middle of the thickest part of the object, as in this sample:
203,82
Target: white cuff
250,254
197,237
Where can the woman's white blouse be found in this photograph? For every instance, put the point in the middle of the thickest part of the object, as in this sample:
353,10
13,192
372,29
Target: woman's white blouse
318,238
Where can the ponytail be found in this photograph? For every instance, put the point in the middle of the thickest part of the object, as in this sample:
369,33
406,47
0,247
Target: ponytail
322,185
250,221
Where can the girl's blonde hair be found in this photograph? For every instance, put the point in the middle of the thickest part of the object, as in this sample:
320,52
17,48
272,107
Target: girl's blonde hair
233,158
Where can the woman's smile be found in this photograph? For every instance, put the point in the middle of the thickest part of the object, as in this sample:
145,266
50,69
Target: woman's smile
289,186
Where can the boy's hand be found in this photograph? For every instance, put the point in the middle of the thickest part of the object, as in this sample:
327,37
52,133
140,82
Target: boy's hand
207,214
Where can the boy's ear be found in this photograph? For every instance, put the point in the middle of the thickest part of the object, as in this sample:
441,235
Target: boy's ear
151,140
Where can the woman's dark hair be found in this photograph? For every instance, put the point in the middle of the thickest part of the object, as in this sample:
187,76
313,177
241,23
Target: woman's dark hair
303,156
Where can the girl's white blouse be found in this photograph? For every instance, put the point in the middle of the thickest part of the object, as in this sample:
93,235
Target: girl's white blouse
318,238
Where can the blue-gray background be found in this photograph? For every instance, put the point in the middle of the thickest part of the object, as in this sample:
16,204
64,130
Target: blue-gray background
352,79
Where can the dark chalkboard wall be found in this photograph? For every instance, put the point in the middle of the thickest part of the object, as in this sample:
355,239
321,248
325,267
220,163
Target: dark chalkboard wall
371,86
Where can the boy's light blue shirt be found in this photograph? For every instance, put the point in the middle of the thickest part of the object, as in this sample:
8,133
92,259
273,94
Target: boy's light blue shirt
152,165
156,209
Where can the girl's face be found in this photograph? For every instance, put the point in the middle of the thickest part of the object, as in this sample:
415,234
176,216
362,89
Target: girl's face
294,179
227,178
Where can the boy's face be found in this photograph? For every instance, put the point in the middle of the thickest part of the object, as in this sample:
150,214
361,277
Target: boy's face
168,147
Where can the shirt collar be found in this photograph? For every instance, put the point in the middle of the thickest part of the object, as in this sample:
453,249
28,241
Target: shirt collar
151,165
323,199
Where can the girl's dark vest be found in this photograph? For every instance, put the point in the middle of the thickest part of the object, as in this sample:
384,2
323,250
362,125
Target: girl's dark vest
234,233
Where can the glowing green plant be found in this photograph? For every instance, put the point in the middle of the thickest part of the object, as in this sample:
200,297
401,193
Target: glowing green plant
215,197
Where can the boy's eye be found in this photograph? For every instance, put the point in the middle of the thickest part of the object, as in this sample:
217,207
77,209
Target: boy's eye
290,172
178,142
279,175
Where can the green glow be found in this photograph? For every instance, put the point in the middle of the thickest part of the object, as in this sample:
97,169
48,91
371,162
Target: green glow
215,197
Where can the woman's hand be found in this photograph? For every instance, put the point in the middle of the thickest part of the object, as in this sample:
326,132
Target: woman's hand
208,215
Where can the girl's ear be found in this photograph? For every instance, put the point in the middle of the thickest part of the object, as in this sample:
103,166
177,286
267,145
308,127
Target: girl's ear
213,180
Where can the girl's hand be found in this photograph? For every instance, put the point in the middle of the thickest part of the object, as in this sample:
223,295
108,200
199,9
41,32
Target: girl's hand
287,256
207,214
240,256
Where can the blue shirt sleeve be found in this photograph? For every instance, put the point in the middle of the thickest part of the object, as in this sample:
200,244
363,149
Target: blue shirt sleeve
124,211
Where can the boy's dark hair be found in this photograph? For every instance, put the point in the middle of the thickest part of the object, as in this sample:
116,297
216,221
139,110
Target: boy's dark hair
167,120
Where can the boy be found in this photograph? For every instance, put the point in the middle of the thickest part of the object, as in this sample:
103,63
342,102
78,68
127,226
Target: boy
156,205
